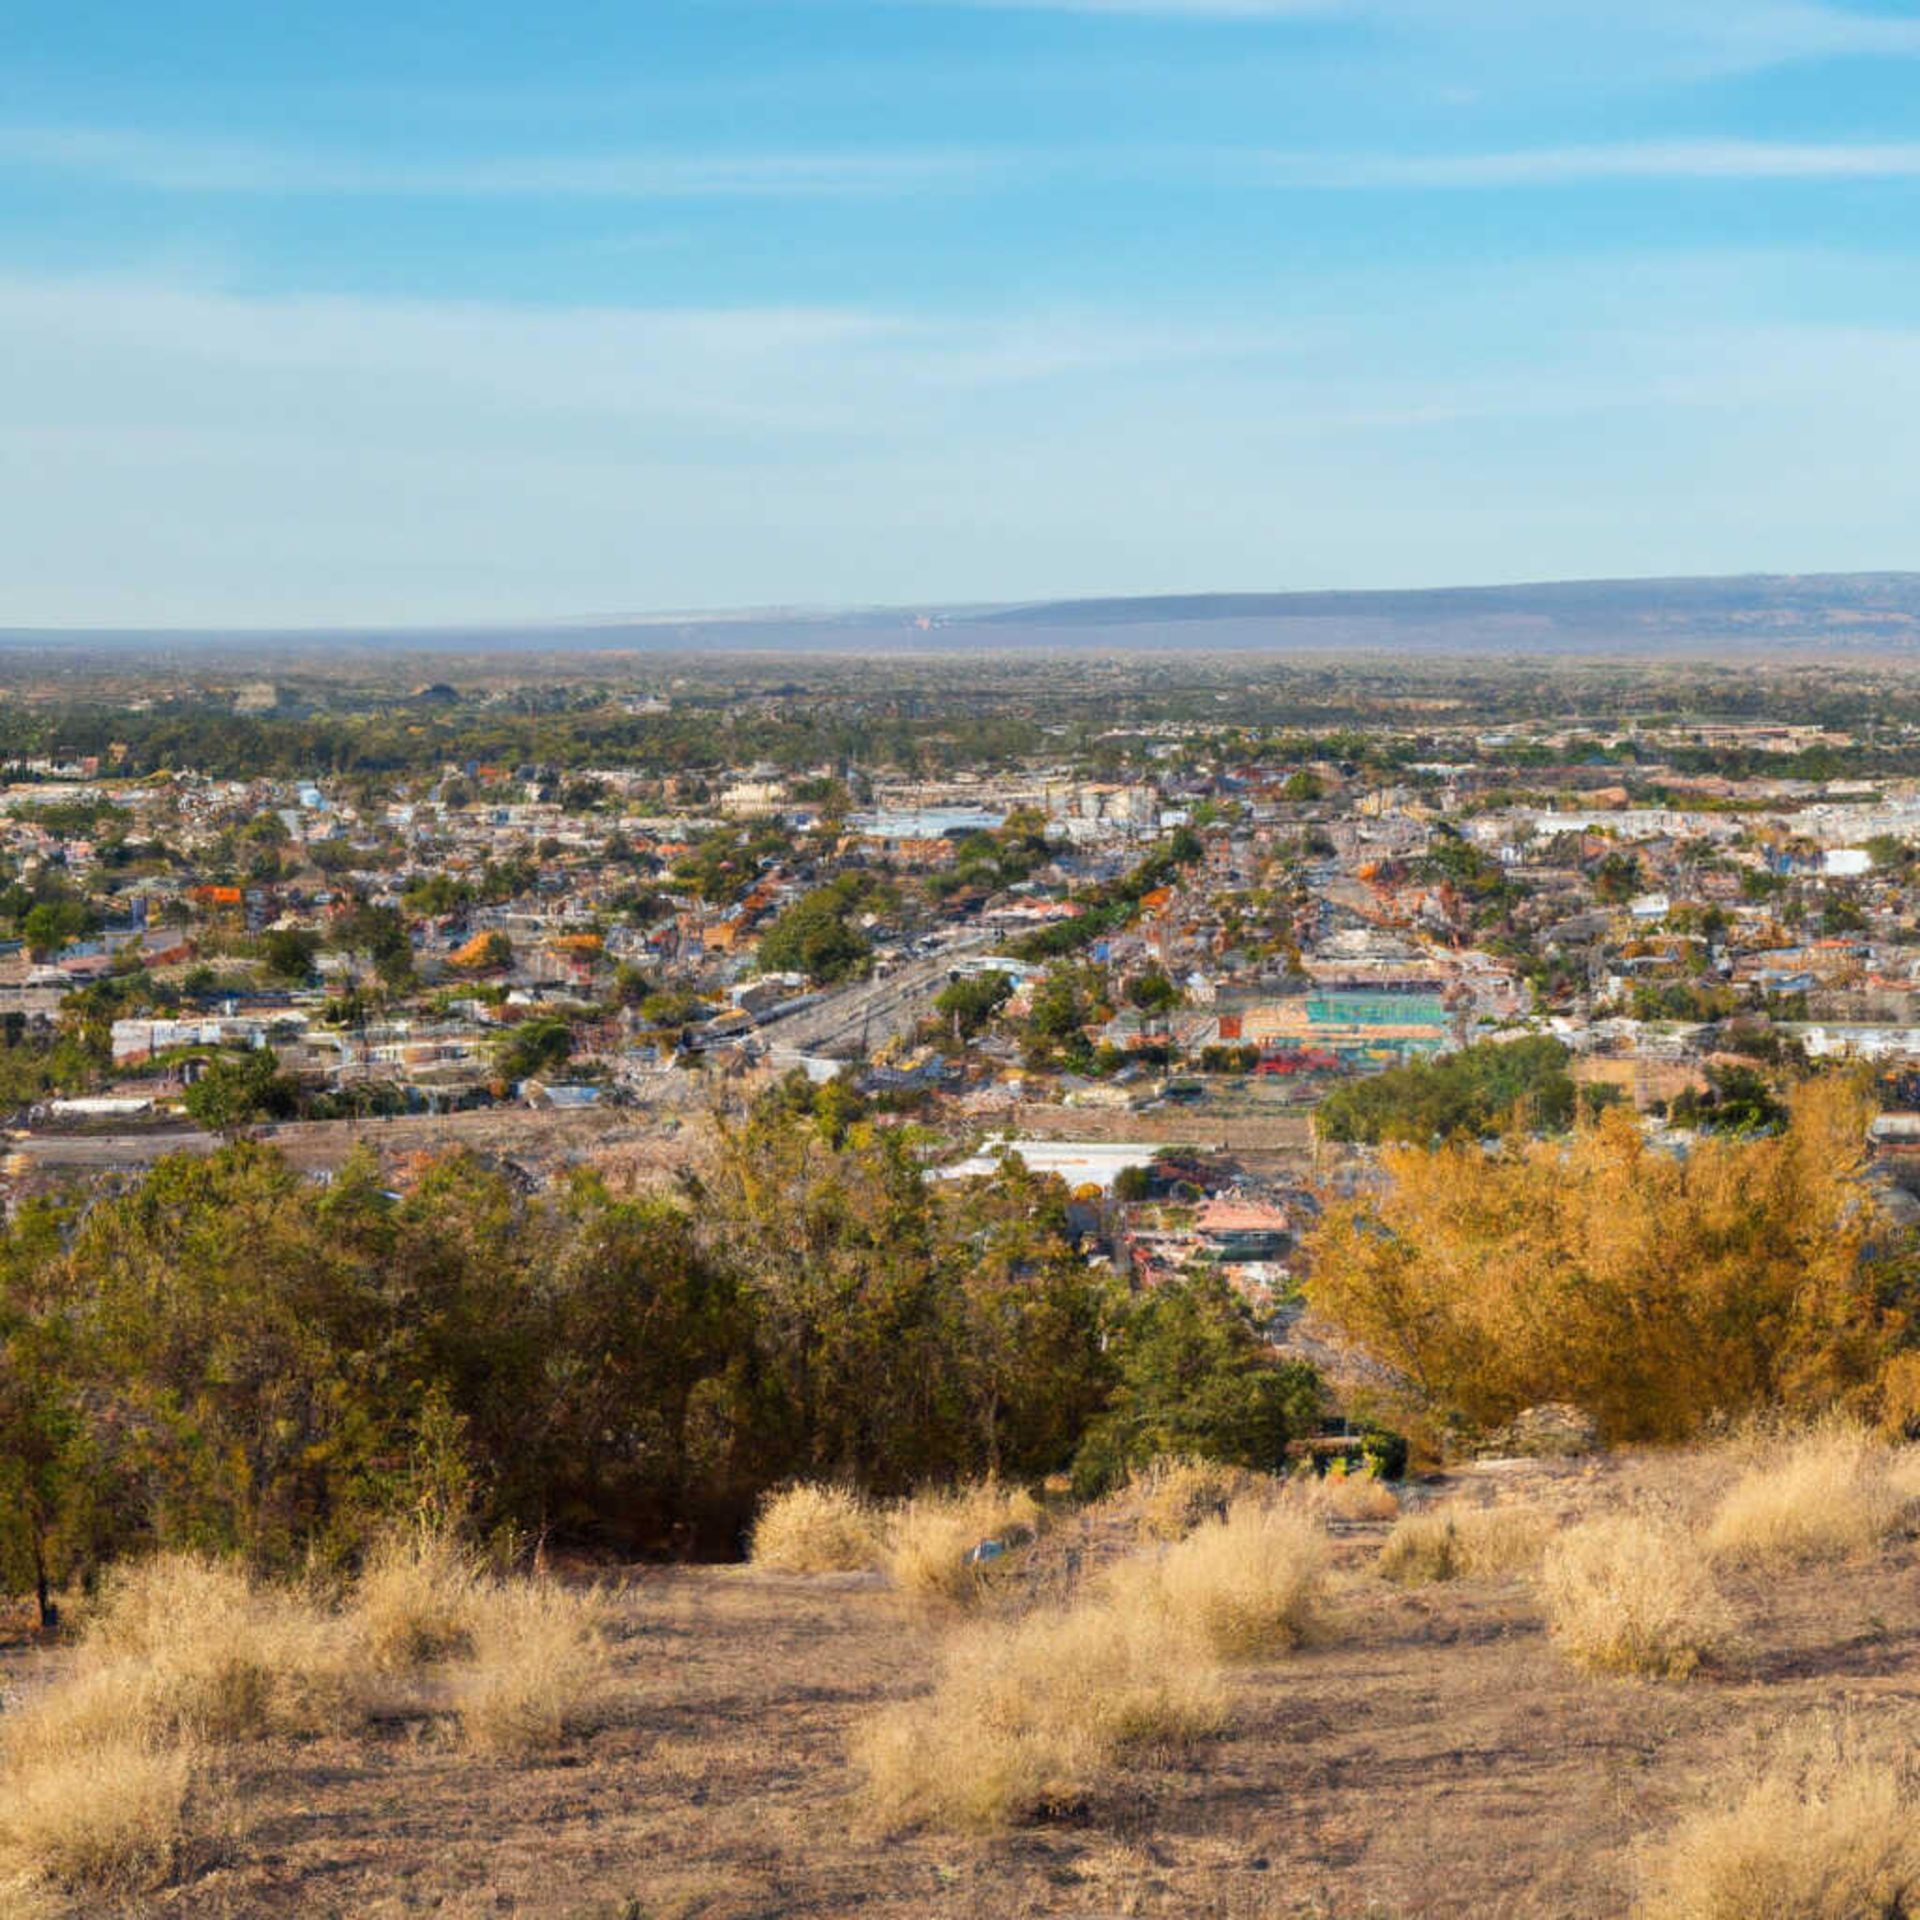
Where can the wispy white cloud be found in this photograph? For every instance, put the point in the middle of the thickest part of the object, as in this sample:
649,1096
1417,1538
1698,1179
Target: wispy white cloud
165,164
160,165
1649,160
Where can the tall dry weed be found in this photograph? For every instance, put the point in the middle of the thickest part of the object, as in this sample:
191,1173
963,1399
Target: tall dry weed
108,1817
1464,1543
929,1538
1625,1595
816,1529
1176,1493
1253,1584
1832,1837
1029,1717
213,1654
1834,1491
538,1668
415,1598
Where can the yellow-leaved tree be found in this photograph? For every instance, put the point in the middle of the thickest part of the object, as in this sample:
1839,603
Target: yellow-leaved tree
1654,1289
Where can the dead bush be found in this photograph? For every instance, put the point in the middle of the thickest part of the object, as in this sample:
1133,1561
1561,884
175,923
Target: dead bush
1464,1543
1834,1838
816,1529
108,1816
1821,1495
1028,1717
415,1597
1625,1595
538,1666
208,1652
1352,1496
1176,1494
1254,1583
929,1539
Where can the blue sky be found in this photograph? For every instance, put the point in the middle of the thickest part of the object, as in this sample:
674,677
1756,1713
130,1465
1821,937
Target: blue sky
402,312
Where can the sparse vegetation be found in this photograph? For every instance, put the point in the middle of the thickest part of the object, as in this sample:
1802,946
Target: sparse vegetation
1818,1496
1628,1596
929,1538
1464,1543
1836,1837
1030,1716
1253,1584
816,1529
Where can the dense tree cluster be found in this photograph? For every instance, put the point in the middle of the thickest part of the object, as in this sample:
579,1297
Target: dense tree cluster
1474,1091
229,1356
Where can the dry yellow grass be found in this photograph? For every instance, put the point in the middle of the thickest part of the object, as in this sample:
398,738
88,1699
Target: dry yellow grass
1176,1494
1030,1716
1464,1543
1838,1839
210,1653
1254,1583
1625,1595
1353,1496
1822,1495
928,1538
538,1669
816,1529
415,1597
106,1817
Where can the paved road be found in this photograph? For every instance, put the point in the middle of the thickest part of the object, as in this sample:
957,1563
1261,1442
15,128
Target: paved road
860,1019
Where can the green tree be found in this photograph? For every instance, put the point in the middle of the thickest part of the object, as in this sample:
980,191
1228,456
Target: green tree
289,954
238,1090
1195,1377
968,1003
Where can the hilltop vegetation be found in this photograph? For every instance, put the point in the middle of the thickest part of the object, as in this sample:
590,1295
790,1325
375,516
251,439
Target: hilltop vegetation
228,1357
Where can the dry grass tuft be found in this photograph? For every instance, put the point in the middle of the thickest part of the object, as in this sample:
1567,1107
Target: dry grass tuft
539,1666
414,1600
1176,1494
815,1529
1624,1595
109,1816
1464,1543
1824,1495
1836,1840
928,1539
199,1648
1352,1496
1028,1718
1252,1584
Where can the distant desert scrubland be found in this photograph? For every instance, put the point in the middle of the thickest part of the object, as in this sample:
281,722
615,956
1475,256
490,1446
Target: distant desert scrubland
1681,1685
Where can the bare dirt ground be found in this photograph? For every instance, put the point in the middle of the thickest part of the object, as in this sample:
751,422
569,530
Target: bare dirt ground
1436,1758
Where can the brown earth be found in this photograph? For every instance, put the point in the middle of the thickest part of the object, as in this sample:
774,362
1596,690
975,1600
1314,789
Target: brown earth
1437,1758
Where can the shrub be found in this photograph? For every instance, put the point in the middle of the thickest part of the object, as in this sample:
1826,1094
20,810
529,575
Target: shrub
414,1600
1626,1596
210,1653
814,1529
1353,1496
1176,1494
1839,1840
104,1816
1027,1717
1826,1494
928,1539
539,1666
1252,1584
1463,1543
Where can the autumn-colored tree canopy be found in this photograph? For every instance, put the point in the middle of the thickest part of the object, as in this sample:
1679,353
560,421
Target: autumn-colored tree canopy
1655,1289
